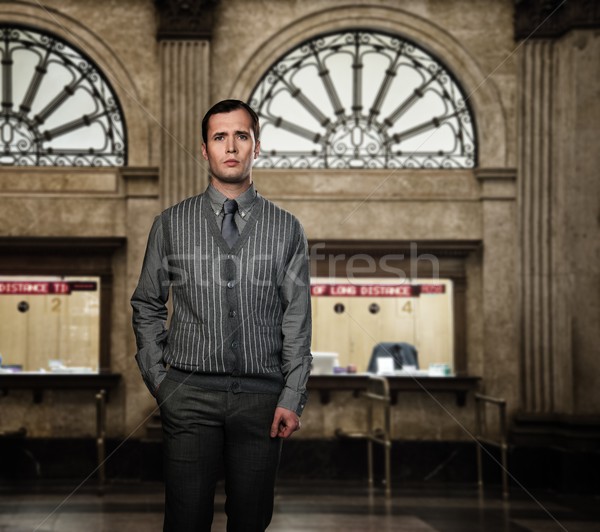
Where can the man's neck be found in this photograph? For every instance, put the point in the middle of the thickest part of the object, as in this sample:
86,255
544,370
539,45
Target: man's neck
231,190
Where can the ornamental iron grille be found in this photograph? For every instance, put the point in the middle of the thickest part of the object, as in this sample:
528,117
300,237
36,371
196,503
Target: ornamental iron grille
57,108
362,99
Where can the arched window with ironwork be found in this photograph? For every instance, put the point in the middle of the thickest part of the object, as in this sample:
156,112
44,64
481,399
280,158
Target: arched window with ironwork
58,108
363,99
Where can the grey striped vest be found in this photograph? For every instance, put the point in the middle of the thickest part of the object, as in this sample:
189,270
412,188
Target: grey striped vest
227,312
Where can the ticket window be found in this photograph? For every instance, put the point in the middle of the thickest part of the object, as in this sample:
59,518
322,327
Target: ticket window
350,318
50,323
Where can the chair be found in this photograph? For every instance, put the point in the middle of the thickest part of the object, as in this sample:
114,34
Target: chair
377,394
404,354
482,436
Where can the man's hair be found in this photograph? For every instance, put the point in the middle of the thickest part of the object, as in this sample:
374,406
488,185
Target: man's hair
226,106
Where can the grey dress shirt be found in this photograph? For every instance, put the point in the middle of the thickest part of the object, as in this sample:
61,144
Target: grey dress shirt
292,391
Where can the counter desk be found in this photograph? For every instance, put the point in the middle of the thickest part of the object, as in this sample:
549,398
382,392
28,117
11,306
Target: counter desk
459,385
101,383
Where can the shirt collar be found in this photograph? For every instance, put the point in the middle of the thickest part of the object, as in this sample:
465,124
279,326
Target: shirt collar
245,200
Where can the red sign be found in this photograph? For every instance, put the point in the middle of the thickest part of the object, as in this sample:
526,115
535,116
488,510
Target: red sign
376,290
433,288
42,288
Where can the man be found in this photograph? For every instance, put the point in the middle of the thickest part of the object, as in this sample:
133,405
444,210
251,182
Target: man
230,372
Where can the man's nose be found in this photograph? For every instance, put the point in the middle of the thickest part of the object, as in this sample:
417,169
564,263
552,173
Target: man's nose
231,147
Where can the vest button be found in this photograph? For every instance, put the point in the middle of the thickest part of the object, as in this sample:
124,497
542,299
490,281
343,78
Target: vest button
234,344
232,313
230,284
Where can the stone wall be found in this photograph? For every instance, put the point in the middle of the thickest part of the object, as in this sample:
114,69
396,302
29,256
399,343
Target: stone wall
164,86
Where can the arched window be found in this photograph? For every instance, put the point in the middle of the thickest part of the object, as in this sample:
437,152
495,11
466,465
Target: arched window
57,107
362,99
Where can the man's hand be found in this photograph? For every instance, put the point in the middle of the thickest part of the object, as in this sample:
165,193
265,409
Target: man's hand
285,422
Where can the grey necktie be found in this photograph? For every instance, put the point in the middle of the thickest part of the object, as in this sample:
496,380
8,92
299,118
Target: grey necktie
229,230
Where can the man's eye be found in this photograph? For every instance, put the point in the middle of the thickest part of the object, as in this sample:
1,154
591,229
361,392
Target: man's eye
218,137
243,137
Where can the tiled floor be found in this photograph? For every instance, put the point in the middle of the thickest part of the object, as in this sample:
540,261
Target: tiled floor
306,506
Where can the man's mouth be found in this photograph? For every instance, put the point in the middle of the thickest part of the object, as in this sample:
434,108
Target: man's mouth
231,162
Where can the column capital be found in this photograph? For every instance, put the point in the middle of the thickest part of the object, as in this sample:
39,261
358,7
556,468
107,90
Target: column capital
497,183
550,19
185,19
140,181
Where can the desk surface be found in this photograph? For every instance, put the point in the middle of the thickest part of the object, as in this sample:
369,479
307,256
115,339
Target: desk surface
34,380
38,382
458,385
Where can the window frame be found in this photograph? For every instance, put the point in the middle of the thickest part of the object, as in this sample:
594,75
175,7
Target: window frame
103,93
286,161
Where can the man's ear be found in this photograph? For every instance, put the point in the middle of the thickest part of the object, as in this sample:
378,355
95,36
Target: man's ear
257,149
204,154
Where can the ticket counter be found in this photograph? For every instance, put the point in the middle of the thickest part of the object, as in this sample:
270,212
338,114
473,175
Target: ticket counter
50,323
351,317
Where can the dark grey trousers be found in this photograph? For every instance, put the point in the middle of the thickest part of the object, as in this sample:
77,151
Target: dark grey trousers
204,429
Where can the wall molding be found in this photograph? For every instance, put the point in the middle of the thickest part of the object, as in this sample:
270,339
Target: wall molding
551,19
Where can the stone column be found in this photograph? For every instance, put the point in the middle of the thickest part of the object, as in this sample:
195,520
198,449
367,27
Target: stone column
558,196
535,222
499,296
184,33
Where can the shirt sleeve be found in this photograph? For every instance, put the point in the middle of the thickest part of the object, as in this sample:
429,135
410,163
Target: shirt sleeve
296,327
149,310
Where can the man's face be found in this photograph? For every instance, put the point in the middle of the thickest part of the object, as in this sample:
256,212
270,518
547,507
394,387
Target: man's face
230,147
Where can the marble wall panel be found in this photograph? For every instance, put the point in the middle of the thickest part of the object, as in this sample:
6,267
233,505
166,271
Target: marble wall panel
53,181
476,42
351,219
375,185
60,216
139,403
576,204
500,304
416,416
475,333
61,414
559,205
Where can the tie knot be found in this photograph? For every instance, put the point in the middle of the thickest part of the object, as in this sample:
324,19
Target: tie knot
230,206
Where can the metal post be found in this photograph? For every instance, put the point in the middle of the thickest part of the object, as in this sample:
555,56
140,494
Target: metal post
370,442
100,437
